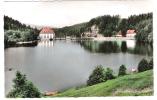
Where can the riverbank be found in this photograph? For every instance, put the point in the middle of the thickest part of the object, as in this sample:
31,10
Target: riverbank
22,44
112,38
139,84
98,38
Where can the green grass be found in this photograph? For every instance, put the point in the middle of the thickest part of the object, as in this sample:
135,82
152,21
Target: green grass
138,84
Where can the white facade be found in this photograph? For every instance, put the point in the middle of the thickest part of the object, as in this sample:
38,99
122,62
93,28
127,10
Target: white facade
46,36
94,29
130,35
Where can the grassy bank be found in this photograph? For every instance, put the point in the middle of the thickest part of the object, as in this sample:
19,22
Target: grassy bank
130,85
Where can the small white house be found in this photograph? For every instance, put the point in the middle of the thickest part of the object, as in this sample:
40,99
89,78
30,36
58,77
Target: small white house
46,33
93,33
130,33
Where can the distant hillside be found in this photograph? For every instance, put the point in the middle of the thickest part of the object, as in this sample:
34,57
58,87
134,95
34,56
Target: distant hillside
74,30
12,24
140,84
110,25
15,31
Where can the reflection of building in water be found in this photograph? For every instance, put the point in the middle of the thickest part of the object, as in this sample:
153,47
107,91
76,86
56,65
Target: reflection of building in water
45,43
46,33
130,33
130,43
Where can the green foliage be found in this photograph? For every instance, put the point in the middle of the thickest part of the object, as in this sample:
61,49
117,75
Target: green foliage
11,37
74,31
145,31
12,24
143,65
107,24
123,26
111,25
139,84
122,70
108,74
23,88
97,76
133,20
17,32
151,64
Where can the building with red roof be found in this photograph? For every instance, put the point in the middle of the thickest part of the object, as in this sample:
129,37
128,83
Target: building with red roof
46,33
130,33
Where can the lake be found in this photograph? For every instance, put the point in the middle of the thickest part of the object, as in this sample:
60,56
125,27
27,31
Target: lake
61,64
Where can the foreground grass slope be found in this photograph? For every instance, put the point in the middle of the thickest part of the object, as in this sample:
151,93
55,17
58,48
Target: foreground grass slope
129,85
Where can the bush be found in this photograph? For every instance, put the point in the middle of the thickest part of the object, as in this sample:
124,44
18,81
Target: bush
122,70
97,76
143,65
108,74
151,64
22,88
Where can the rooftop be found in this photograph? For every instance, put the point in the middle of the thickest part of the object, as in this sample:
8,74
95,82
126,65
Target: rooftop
46,30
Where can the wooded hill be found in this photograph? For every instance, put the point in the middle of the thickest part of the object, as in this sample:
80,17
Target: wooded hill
108,26
15,31
111,25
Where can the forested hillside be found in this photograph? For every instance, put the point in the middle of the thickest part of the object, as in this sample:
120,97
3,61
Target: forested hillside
111,25
15,31
108,26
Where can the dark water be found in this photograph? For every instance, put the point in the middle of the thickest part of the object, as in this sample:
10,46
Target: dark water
58,65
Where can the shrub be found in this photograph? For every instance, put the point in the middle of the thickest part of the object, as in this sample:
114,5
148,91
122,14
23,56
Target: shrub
108,74
151,64
122,70
143,65
23,88
97,76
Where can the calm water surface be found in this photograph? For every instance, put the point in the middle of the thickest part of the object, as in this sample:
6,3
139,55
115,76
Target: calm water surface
58,65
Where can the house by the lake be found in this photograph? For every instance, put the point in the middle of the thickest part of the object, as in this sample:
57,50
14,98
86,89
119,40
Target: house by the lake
130,33
92,33
46,33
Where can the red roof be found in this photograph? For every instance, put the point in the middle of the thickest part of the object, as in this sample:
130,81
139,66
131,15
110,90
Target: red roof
46,30
130,31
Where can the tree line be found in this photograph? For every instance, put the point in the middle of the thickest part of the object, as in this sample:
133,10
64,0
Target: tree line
23,88
101,74
15,31
111,25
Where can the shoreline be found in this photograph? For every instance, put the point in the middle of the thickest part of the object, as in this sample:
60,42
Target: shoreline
112,38
34,43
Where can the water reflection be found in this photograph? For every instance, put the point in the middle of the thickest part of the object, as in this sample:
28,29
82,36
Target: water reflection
60,64
142,48
101,47
45,43
129,46
124,47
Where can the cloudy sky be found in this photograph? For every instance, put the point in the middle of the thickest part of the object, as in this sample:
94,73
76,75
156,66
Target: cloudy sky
62,13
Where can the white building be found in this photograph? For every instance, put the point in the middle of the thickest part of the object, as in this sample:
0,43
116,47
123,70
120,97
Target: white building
92,33
46,33
130,33
94,29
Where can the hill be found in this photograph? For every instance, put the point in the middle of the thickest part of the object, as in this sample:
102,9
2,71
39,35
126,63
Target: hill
15,31
130,85
109,25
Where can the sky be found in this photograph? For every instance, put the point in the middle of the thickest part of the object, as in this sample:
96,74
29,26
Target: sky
65,13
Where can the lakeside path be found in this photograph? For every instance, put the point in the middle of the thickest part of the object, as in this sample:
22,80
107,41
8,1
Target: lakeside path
112,38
